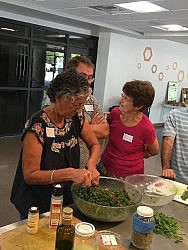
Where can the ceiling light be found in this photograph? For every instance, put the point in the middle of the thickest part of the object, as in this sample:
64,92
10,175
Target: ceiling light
171,27
7,29
142,7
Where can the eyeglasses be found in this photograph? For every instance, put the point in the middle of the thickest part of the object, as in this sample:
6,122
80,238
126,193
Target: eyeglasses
90,78
125,97
77,106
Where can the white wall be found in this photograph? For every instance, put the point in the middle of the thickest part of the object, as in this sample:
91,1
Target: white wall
124,55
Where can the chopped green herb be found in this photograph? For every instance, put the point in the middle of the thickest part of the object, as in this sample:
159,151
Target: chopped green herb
184,196
167,226
104,196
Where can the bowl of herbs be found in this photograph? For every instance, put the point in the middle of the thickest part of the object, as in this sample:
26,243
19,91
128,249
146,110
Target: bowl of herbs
111,201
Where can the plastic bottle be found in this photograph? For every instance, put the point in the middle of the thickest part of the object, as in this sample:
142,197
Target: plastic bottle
32,221
65,233
85,237
55,218
142,227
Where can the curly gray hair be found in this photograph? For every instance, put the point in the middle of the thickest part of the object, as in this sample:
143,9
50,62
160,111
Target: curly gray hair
68,85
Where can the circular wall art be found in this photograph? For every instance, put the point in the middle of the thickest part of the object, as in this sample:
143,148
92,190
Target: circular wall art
139,65
167,67
180,76
160,76
174,65
147,54
154,68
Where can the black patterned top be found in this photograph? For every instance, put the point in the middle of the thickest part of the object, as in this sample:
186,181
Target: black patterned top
60,150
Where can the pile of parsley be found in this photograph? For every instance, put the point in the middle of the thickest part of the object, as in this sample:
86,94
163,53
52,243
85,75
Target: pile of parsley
168,226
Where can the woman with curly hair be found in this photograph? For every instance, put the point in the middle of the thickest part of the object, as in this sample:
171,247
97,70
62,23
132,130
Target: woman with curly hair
51,152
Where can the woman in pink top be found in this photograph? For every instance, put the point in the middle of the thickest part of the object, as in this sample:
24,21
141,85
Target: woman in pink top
132,135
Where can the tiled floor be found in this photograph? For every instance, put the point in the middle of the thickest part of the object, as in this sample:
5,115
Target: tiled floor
10,149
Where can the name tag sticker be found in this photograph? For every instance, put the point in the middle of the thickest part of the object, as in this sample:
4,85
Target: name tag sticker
50,132
127,137
88,107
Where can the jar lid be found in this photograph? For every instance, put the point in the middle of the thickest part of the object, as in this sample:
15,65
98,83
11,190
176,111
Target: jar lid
57,190
84,229
33,209
145,211
67,213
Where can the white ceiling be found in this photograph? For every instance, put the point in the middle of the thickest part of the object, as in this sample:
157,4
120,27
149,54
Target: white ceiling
80,13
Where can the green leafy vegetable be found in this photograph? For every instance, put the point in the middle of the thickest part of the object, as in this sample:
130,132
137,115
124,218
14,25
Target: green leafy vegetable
104,196
184,195
167,226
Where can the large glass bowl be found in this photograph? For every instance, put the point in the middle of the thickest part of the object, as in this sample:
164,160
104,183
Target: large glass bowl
156,191
108,213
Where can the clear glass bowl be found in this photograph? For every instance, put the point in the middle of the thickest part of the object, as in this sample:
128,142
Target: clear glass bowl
156,191
108,213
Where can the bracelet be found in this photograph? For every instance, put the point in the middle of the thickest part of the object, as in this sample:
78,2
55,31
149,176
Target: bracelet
51,177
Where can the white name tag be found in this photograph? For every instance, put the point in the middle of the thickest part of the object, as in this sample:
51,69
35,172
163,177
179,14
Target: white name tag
88,107
127,137
50,132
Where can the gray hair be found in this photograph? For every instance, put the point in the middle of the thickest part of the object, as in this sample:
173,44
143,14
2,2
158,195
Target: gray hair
68,85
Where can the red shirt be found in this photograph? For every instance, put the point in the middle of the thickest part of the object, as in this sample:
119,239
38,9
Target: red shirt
124,153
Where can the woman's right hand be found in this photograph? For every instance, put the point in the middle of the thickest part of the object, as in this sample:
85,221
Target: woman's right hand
82,176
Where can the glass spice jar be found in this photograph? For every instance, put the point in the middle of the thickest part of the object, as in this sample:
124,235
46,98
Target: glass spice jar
33,219
142,227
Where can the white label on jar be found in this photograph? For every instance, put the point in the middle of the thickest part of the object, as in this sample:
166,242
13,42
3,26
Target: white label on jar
109,240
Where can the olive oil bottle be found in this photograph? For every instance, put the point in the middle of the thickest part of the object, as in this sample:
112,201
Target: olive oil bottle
65,232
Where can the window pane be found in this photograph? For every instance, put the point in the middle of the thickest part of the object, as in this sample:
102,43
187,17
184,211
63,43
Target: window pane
37,100
49,35
13,29
48,61
14,62
81,42
12,111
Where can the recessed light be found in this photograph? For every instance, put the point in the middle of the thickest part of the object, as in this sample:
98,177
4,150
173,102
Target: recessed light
142,7
7,29
171,27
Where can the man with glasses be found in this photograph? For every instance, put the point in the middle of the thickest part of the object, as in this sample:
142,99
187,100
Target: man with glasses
92,109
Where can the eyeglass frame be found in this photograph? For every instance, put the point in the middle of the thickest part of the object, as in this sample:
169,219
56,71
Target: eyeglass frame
89,78
126,98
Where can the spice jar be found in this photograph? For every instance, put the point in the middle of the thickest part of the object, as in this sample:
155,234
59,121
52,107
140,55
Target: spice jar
55,218
85,237
142,227
32,221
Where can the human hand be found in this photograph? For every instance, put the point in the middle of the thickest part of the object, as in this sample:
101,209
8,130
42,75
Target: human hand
94,177
169,173
97,119
82,176
147,153
94,173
